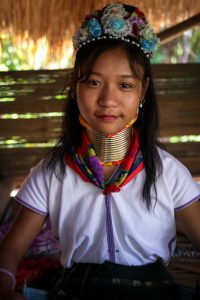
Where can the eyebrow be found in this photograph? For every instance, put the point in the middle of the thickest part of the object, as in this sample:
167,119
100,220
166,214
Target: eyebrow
122,75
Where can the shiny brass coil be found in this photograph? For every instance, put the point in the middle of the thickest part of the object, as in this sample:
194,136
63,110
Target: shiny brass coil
111,149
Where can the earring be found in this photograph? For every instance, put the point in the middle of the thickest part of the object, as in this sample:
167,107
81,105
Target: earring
142,103
73,96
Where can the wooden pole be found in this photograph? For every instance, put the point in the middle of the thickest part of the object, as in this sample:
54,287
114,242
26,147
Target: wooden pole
178,29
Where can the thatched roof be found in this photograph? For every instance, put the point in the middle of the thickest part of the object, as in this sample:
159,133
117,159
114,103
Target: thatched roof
57,19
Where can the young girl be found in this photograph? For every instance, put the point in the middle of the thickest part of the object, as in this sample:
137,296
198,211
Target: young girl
112,194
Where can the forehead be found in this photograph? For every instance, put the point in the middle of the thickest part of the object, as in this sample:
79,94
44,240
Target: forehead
112,61
112,57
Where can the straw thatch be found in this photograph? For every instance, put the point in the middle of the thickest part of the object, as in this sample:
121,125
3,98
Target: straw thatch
57,19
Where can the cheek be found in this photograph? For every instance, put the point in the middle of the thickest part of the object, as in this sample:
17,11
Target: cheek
80,106
83,107
80,92
81,102
134,101
78,96
83,98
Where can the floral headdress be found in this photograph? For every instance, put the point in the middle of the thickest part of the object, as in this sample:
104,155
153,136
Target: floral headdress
117,21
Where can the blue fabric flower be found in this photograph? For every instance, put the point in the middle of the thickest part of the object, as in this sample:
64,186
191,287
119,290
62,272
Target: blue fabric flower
114,25
94,28
117,24
148,45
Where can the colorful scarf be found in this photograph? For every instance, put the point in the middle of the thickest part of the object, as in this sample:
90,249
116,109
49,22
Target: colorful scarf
85,162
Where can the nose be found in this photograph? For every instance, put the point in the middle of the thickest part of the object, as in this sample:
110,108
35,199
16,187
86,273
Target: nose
108,97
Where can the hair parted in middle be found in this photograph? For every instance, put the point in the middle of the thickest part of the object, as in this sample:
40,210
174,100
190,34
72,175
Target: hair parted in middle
115,26
147,122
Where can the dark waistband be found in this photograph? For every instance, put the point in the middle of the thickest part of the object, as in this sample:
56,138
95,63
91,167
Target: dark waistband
107,273
108,276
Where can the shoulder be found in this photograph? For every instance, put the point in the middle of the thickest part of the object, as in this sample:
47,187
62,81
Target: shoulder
44,171
178,180
39,173
35,188
170,163
174,170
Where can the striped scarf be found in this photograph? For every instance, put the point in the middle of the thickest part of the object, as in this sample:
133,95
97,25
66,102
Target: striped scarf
85,162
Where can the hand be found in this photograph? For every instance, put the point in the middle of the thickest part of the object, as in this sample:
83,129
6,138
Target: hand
11,295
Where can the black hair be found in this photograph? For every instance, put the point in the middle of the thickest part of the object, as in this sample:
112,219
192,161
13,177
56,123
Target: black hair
147,122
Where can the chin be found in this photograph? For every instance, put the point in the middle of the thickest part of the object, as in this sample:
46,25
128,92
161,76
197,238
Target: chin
107,130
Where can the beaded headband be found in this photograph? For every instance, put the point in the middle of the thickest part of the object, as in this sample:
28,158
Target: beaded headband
119,22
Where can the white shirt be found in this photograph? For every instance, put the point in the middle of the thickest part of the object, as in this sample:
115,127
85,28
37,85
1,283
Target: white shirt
78,214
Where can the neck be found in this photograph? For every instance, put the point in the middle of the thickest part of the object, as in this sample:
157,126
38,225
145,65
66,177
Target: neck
113,148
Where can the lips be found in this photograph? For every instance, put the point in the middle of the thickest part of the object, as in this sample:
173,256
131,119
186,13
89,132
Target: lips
107,118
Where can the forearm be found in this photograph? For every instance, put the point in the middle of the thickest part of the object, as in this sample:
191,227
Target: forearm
8,267
24,230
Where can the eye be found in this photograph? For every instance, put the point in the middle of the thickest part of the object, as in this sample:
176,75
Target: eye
93,82
126,86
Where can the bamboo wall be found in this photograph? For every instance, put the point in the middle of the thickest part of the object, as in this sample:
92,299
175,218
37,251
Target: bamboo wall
40,92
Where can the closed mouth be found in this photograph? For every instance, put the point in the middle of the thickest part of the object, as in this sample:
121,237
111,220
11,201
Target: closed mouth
107,117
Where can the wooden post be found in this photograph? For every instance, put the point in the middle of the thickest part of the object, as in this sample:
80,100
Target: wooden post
178,29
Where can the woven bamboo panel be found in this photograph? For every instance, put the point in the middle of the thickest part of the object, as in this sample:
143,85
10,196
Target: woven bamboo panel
40,93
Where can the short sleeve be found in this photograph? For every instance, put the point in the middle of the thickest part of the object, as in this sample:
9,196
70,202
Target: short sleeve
183,189
180,183
34,191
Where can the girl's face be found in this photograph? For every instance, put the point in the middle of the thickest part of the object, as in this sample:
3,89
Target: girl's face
110,97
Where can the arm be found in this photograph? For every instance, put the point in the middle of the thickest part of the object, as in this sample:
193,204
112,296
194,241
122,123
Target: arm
24,230
188,222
